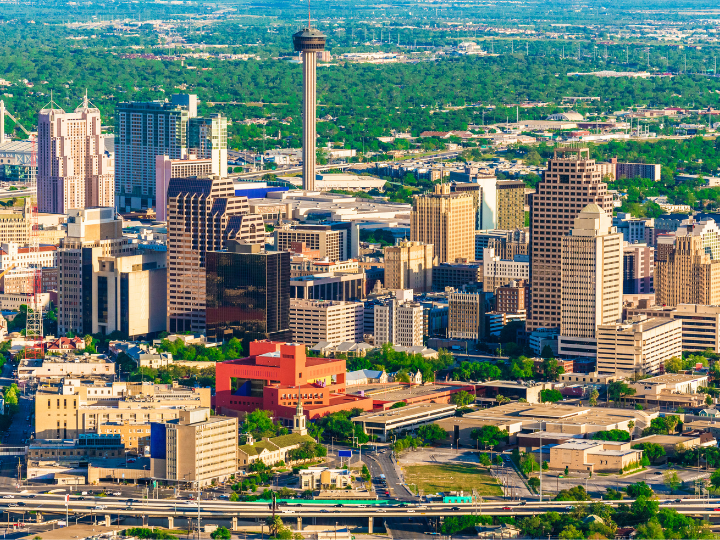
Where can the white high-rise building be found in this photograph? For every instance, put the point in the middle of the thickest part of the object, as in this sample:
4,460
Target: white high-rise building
591,281
399,321
74,169
313,321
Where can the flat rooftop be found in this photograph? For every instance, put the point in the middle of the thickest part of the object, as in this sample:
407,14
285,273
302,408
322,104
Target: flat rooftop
672,378
404,413
402,392
508,384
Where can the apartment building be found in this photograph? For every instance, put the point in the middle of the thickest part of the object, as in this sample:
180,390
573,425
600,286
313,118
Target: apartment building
196,448
640,345
447,221
71,407
409,265
510,204
513,297
570,183
399,321
145,130
74,169
498,272
688,275
203,214
313,321
591,270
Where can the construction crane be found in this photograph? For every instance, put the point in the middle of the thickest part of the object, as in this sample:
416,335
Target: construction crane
7,270
34,323
3,113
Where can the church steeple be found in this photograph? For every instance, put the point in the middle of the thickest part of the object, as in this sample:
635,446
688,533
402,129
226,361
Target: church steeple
299,426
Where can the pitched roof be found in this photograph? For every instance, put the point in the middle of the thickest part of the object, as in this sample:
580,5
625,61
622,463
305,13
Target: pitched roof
362,374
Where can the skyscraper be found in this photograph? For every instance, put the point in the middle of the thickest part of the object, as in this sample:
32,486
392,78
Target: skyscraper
202,215
248,293
570,183
309,42
688,275
74,169
446,220
92,233
145,130
591,273
510,205
409,265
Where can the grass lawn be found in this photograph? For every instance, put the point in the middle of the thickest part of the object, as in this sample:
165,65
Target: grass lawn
452,477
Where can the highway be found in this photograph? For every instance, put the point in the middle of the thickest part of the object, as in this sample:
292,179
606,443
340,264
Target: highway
118,506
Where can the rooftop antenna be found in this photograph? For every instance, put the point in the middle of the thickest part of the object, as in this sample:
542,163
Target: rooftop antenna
309,19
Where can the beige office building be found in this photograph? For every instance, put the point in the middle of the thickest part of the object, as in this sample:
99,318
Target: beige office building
592,275
510,205
133,436
466,313
571,182
447,221
326,242
313,321
408,265
92,233
399,321
64,410
499,272
701,324
593,456
15,224
199,448
74,169
688,275
640,345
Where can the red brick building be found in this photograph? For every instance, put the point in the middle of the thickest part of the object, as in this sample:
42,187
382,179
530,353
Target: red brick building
273,377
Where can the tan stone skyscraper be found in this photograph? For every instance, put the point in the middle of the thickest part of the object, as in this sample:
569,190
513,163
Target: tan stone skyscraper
408,265
74,170
570,183
592,275
688,275
447,221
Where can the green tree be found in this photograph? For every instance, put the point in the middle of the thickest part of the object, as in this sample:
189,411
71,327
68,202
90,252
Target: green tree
640,489
618,390
534,482
462,398
594,394
431,433
489,436
671,480
221,533
570,533
673,365
551,396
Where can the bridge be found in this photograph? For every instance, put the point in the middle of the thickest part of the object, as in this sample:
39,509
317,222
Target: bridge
53,504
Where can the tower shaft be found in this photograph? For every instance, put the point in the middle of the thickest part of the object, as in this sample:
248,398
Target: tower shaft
309,118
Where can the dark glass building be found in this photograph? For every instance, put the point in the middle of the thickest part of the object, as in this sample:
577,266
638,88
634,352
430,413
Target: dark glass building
248,294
